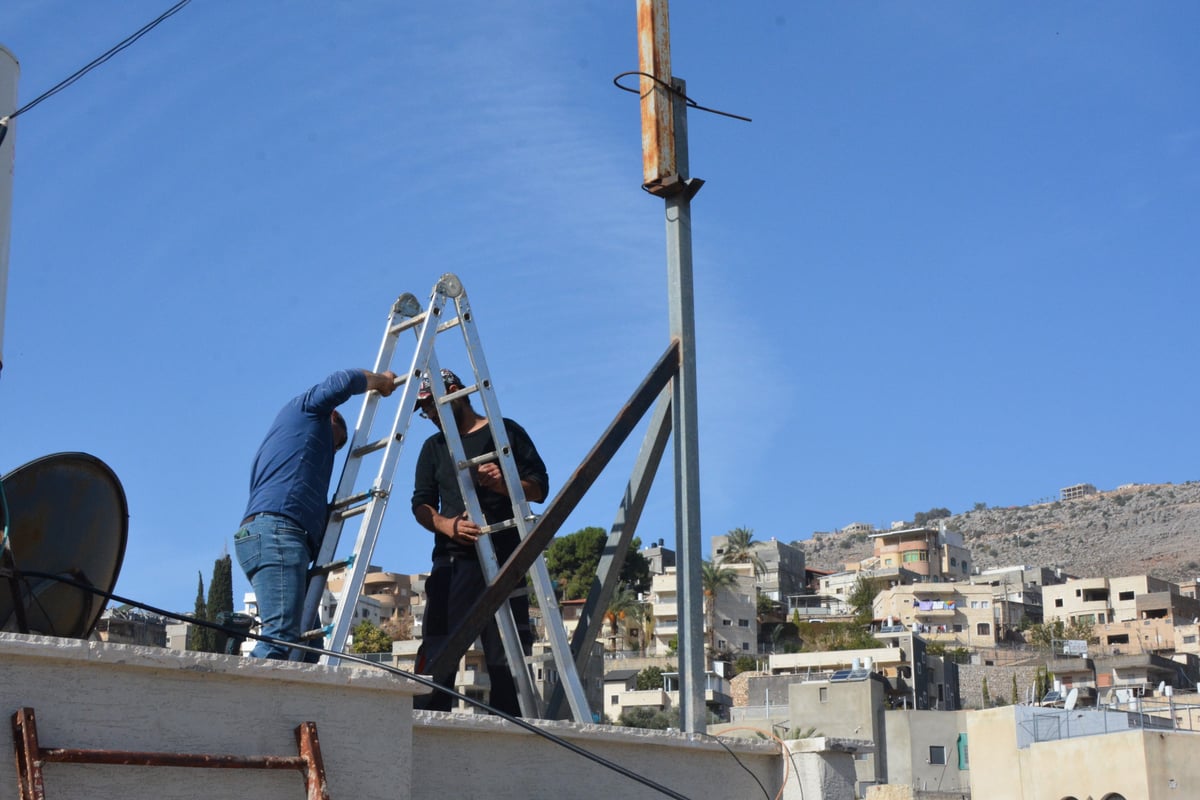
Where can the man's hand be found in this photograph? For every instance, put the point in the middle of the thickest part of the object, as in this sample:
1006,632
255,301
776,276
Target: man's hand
382,382
491,478
458,529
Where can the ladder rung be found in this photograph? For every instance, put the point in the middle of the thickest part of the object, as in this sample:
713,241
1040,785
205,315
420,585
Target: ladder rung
450,397
325,569
499,526
483,459
447,325
401,327
347,513
351,500
371,447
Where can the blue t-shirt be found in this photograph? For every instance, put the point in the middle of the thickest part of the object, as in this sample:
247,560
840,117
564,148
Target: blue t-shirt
293,465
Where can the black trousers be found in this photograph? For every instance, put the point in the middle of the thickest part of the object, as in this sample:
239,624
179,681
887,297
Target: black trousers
452,588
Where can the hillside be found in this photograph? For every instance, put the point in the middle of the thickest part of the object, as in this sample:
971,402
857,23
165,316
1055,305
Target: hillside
1145,528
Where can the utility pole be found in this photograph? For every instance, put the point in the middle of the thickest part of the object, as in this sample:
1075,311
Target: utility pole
9,69
666,175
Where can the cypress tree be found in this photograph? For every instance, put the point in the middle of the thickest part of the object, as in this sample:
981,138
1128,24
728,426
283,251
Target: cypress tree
220,599
196,634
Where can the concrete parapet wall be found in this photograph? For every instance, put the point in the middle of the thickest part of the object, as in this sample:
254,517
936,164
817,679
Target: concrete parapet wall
999,680
92,695
100,696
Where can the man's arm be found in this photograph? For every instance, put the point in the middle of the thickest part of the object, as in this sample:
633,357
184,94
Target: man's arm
456,529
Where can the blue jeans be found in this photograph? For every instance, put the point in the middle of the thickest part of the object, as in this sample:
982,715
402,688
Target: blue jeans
274,553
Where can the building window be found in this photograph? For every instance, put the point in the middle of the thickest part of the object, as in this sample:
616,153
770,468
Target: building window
983,629
1125,596
726,622
743,623
1058,602
746,646
616,700
823,694
1189,640
953,561
964,566
916,555
937,754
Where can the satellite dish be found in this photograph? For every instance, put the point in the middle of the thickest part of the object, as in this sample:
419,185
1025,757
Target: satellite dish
1161,686
67,516
1072,698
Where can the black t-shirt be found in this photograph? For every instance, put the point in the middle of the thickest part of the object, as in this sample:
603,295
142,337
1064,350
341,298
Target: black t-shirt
436,484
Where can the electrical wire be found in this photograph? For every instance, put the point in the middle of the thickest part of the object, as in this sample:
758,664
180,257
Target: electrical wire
91,65
690,102
611,765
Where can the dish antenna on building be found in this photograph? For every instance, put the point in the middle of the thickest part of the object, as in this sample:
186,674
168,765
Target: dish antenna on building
1072,699
1162,686
67,517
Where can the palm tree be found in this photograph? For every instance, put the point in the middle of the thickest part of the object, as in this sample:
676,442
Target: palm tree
739,549
623,604
714,578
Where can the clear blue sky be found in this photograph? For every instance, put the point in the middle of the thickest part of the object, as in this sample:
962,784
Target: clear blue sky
952,260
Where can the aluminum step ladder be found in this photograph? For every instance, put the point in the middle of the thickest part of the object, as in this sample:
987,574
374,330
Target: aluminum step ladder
407,315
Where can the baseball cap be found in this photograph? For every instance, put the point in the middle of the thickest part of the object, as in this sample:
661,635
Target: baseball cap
426,389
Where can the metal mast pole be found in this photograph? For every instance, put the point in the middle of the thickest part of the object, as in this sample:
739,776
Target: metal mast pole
665,174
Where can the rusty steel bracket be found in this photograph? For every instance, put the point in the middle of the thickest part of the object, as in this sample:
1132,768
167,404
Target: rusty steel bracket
31,756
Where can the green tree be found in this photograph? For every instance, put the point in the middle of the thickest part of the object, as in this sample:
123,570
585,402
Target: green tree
713,579
220,598
649,678
862,599
744,664
739,549
368,638
987,697
1015,696
922,518
572,561
200,639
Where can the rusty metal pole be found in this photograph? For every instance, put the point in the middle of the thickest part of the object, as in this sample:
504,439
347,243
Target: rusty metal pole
665,174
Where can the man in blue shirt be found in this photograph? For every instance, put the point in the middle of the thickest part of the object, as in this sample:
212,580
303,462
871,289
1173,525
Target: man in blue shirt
288,509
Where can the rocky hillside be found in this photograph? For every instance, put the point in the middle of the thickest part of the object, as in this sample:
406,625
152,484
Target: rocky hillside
1138,529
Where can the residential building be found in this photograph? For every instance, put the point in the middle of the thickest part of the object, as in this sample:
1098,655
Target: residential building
734,618
1077,491
936,554
1028,753
1133,614
125,625
955,614
1017,594
928,751
780,566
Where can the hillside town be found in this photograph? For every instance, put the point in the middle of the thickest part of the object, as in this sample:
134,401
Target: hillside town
950,675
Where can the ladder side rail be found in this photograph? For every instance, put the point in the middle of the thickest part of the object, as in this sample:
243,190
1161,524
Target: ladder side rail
621,534
522,516
310,618
513,650
372,521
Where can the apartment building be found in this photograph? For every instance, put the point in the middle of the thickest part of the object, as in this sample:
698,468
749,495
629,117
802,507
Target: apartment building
1017,592
935,554
734,619
1132,614
955,614
781,566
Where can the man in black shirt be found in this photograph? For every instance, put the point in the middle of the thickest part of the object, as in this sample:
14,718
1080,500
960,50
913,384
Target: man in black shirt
456,579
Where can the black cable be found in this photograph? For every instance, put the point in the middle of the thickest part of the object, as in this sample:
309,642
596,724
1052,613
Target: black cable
359,660
740,763
91,65
691,103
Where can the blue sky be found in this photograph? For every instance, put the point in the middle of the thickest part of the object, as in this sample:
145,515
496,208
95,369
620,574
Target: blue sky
952,260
